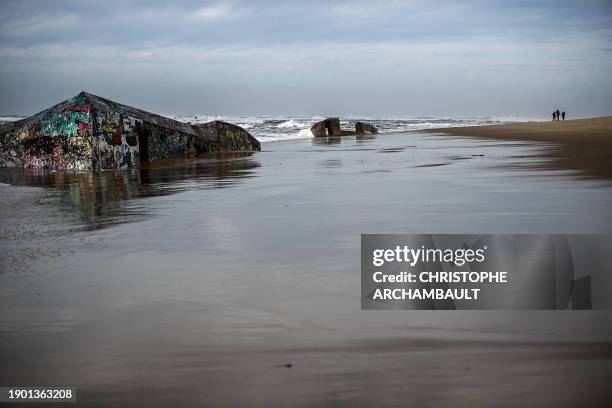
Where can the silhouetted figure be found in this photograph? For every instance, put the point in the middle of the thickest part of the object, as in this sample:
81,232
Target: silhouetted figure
554,116
558,114
563,115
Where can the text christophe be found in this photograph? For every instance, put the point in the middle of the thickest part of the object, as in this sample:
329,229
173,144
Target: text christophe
412,256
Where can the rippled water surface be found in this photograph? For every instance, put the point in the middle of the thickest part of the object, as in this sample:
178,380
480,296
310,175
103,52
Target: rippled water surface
206,277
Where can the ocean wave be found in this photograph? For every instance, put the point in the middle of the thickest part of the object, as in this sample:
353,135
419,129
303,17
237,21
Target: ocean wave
303,133
274,128
289,124
12,118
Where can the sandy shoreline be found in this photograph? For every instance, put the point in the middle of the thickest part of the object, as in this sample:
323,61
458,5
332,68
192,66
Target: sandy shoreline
580,144
209,275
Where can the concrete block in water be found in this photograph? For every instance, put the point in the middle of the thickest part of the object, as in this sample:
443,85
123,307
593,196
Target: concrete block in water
330,127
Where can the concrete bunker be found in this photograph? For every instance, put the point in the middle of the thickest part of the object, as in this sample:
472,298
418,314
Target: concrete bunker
330,127
88,132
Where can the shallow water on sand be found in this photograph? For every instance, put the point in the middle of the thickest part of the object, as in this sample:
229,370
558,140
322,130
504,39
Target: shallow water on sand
197,281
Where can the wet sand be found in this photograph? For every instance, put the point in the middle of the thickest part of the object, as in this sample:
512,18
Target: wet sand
196,282
582,144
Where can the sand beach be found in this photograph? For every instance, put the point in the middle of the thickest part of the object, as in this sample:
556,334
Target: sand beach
231,203
233,279
584,144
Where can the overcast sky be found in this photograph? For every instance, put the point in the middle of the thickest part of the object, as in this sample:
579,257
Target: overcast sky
387,58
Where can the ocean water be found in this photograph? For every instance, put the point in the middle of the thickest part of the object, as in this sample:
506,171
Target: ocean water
274,128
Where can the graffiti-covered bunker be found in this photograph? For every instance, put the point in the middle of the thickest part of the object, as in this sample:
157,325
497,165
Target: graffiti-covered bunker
88,132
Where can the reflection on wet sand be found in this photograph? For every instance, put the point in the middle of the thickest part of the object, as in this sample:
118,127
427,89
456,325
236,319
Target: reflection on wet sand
326,140
582,145
101,197
335,140
220,288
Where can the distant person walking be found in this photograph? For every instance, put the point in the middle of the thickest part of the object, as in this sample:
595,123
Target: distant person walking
558,114
554,115
563,115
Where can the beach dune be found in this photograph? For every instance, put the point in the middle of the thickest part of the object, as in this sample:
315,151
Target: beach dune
580,144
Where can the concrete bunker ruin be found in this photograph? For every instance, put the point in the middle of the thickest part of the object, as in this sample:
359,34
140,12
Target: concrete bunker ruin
88,132
330,127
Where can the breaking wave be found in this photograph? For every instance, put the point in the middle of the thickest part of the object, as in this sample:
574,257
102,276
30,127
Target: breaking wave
274,128
270,128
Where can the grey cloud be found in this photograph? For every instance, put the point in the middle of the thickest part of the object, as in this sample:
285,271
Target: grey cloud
316,57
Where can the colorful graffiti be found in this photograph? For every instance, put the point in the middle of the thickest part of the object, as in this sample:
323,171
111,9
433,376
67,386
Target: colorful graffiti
92,133
59,137
112,149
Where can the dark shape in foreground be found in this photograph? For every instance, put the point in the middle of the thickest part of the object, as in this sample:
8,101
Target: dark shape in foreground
330,127
88,132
